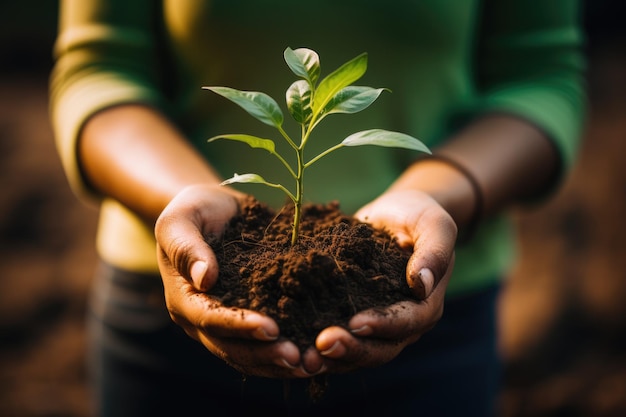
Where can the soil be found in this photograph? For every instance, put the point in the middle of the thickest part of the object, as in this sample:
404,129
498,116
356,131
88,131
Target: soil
563,316
338,267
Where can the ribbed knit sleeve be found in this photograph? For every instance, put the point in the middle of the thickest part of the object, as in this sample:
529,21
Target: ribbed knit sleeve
531,64
105,56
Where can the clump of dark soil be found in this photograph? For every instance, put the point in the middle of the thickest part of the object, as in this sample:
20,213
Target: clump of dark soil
339,267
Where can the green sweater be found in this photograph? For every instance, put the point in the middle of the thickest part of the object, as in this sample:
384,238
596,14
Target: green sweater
445,61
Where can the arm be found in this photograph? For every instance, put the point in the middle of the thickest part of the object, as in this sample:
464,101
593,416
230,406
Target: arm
519,139
134,154
521,133
116,142
509,159
425,208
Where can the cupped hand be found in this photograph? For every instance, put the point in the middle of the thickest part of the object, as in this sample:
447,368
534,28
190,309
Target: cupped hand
247,340
375,336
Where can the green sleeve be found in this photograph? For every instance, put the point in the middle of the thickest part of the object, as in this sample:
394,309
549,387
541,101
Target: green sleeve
105,55
530,63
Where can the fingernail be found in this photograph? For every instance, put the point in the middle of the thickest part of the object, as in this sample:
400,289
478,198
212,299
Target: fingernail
427,280
198,271
362,331
330,350
287,364
261,334
306,373
321,370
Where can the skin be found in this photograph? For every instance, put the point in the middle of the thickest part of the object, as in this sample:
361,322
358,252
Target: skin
425,208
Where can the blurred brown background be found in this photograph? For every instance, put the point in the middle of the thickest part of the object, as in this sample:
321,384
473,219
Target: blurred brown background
563,314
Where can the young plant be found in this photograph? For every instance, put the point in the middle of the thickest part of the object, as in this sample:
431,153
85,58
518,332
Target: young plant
309,102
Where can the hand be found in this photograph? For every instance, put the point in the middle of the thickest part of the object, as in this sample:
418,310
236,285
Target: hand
247,340
376,337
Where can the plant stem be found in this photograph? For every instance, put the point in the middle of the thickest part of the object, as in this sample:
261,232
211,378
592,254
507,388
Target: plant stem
297,214
326,152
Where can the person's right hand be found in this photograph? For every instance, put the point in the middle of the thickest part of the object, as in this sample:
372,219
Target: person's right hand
376,336
247,340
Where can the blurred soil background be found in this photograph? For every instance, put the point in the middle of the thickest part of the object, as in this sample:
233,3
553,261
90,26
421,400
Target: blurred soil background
563,314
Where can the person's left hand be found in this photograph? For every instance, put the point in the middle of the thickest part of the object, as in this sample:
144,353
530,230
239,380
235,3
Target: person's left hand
375,337
247,340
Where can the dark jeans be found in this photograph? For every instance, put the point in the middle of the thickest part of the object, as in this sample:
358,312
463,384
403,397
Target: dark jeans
143,364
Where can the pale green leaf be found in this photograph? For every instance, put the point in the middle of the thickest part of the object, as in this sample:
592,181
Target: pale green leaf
256,179
299,101
337,80
352,99
257,104
305,63
244,178
253,141
387,138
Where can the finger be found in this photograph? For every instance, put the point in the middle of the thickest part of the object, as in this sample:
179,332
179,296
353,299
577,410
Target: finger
189,307
396,322
280,359
183,246
433,253
346,352
312,363
181,228
403,320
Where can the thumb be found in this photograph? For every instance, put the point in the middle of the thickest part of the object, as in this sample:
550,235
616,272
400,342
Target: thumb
184,252
432,259
200,277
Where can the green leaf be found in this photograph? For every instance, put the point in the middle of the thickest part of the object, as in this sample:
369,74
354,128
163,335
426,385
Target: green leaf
257,104
352,99
387,138
253,141
299,101
244,178
256,179
256,142
305,63
337,80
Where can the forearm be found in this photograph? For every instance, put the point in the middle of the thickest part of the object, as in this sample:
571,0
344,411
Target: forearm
136,156
509,159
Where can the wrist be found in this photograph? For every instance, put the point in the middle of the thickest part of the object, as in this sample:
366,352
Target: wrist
452,185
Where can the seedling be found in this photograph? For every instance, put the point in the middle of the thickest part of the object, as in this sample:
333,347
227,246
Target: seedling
309,102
